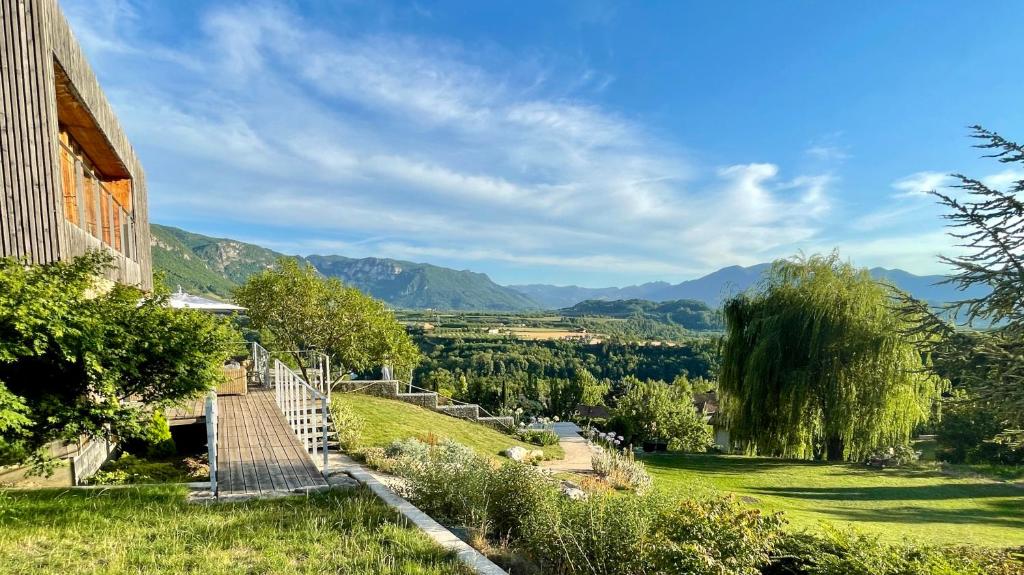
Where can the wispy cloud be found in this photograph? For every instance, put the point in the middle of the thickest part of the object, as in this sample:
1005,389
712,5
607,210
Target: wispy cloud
920,183
415,147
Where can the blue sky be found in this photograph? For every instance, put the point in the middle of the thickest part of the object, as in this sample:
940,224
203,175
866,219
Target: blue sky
594,143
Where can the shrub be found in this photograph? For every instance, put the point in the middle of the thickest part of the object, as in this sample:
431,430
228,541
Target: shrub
541,437
715,537
518,495
157,436
621,470
347,423
129,469
602,535
451,484
847,552
897,456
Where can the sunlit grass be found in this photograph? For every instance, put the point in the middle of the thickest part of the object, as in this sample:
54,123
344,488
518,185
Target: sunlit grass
896,504
155,530
389,419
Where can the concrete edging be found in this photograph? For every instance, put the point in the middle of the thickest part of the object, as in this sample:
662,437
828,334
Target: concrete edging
445,538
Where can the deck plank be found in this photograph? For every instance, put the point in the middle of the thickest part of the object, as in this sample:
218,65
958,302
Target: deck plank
259,451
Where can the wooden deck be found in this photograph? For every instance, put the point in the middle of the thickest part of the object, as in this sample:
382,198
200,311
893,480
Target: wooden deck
257,452
192,412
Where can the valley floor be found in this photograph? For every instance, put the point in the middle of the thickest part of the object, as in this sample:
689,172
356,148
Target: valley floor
895,504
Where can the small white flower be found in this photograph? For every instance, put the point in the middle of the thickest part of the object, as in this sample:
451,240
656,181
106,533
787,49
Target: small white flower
622,438
556,419
617,442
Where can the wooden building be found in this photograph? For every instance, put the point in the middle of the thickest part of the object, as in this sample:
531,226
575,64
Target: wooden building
70,181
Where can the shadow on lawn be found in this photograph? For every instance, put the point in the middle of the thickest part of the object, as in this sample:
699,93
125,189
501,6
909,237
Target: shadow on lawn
908,493
991,516
723,463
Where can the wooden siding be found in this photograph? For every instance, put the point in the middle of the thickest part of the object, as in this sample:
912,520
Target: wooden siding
37,44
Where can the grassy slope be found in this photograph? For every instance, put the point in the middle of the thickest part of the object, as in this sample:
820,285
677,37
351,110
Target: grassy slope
388,420
894,504
155,530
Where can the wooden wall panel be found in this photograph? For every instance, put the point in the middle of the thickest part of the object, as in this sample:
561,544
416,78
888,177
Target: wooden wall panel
34,36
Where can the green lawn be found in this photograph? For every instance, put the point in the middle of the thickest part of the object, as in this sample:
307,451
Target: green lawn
389,419
895,504
155,530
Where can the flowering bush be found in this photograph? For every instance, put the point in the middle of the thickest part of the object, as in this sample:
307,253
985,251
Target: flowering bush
620,469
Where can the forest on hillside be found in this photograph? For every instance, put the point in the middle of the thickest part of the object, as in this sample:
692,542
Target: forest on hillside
551,377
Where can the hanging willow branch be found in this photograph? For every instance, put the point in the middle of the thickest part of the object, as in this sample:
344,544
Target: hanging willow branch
817,364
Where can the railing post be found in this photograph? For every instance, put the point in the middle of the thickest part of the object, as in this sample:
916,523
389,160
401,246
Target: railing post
324,407
211,438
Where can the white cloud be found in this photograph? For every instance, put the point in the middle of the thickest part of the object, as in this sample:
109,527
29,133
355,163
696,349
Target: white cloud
418,148
920,183
1003,180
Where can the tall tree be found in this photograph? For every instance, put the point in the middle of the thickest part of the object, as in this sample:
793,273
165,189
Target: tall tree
989,224
304,311
817,364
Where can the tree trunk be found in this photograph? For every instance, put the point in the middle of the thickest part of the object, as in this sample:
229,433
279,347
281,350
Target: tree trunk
834,448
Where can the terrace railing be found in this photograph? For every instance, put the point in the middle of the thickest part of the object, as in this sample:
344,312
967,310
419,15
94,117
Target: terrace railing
305,408
211,438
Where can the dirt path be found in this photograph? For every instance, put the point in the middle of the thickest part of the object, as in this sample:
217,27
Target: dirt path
577,452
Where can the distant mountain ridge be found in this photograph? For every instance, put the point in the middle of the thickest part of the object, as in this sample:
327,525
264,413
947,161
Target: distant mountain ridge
720,285
214,266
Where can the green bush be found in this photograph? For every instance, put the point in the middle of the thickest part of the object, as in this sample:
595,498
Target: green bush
347,424
128,469
847,552
452,484
606,534
620,469
715,537
541,437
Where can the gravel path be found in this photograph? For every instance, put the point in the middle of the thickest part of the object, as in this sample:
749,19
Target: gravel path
577,452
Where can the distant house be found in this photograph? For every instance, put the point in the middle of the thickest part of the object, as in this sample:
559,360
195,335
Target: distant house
71,180
706,404
182,300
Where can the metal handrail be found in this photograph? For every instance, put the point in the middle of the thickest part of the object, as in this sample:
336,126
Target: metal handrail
298,401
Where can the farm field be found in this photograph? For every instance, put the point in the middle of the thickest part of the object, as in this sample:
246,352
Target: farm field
156,530
389,419
895,504
539,333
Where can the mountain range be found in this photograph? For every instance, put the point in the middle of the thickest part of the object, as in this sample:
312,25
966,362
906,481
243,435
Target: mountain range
214,266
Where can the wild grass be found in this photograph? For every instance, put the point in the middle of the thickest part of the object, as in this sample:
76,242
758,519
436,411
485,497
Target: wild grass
155,530
921,505
387,420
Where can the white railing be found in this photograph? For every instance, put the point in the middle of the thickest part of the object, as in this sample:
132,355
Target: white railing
211,438
261,364
305,409
318,368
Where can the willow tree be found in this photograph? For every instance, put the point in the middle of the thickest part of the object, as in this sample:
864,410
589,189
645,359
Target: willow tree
817,363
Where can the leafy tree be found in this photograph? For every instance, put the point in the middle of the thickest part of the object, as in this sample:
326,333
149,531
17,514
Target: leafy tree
817,363
989,224
304,311
654,410
79,360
